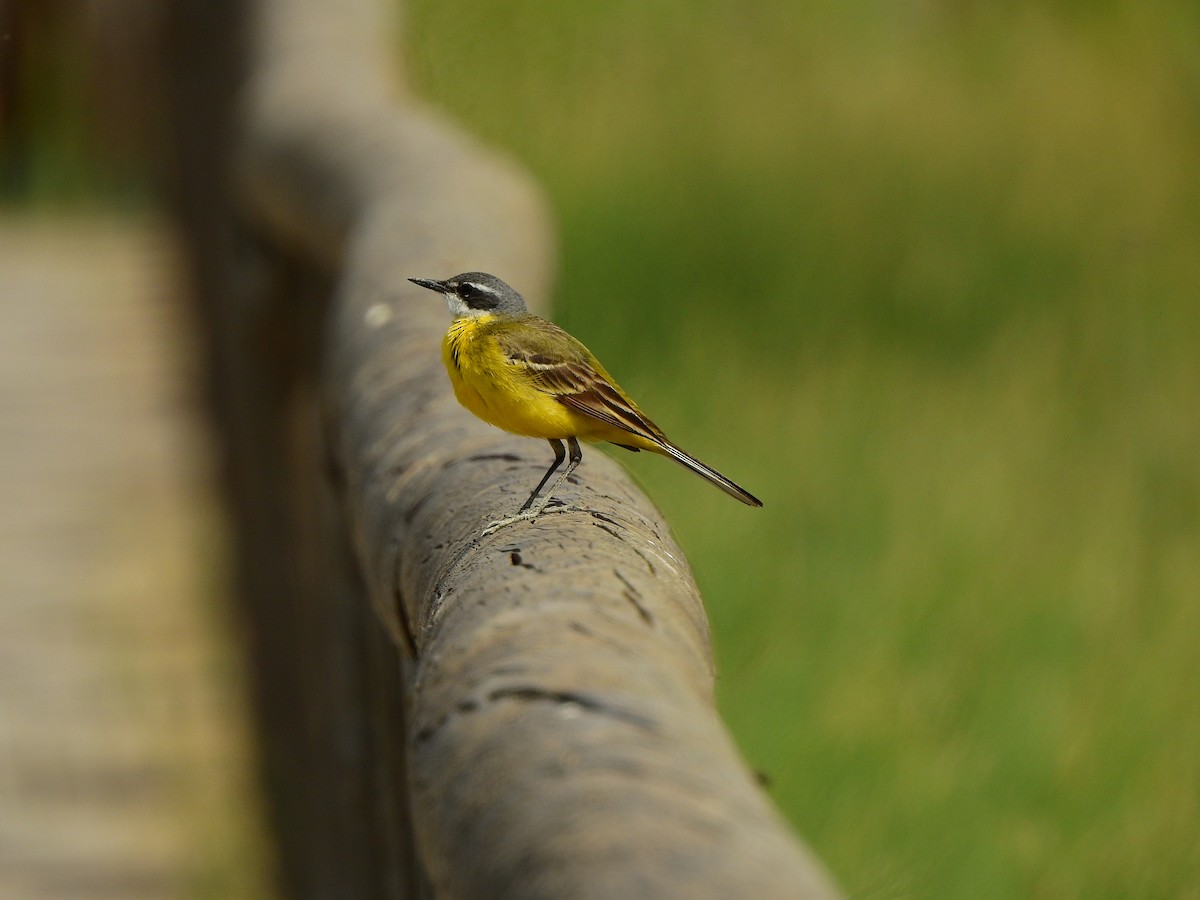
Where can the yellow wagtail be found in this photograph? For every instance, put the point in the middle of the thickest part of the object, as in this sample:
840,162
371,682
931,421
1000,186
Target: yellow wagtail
529,377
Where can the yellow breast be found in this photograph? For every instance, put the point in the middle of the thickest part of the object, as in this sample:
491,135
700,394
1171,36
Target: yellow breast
496,390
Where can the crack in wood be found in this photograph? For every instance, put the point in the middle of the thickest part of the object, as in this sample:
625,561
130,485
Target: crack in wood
634,596
515,558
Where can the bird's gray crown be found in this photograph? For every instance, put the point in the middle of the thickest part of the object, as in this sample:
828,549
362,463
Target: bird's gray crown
478,293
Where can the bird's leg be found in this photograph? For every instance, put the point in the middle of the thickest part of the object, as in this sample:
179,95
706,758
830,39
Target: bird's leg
532,509
560,454
572,462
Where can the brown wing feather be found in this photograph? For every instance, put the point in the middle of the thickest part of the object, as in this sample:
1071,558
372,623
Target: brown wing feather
560,365
564,368
606,404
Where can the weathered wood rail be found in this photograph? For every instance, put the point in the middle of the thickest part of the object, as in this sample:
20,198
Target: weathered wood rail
555,736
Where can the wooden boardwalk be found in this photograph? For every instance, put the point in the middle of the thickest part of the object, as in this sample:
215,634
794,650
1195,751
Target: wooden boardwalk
122,755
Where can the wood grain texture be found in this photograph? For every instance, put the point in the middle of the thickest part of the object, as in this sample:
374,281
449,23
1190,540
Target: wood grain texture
558,737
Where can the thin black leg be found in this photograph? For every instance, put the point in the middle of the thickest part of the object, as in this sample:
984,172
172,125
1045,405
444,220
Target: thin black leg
559,454
576,456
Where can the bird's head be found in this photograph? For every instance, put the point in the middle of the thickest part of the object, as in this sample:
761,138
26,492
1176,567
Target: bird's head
476,294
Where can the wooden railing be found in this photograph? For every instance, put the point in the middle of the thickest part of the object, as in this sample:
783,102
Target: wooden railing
527,715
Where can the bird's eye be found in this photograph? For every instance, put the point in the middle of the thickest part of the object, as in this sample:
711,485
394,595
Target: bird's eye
475,296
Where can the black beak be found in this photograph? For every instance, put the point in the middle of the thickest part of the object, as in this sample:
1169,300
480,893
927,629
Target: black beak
431,283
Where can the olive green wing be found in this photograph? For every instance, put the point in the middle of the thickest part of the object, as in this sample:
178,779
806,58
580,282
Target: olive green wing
565,369
562,367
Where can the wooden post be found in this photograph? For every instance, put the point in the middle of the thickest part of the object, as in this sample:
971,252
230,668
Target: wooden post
555,734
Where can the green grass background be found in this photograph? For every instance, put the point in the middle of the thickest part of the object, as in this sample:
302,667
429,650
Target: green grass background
924,276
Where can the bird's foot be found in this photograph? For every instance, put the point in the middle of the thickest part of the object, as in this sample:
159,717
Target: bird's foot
525,515
493,527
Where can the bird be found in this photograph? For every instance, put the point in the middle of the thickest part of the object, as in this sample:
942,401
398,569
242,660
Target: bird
529,377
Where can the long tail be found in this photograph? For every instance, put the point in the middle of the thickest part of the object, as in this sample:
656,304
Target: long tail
709,474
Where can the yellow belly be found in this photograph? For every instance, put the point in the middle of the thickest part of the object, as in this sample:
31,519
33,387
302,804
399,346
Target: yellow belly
487,384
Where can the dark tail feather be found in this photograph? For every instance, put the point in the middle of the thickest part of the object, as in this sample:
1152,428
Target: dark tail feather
710,474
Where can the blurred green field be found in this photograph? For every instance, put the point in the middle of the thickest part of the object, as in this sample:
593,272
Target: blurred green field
924,277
